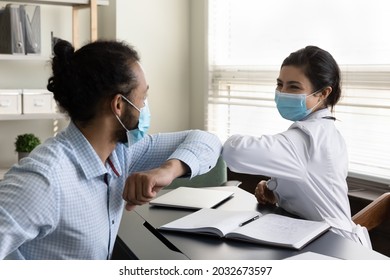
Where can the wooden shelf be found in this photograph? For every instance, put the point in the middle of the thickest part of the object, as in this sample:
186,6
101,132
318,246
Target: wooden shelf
54,116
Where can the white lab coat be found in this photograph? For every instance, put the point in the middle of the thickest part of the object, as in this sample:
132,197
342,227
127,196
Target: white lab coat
309,161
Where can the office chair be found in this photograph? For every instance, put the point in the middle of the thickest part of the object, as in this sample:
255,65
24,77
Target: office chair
217,176
375,213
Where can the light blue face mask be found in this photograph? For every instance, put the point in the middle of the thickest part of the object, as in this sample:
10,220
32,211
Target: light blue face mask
293,106
134,135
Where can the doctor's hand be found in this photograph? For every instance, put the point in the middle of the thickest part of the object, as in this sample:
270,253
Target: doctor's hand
263,194
142,187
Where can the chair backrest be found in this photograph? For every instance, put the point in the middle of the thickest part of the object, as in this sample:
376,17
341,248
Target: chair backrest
248,181
375,213
217,176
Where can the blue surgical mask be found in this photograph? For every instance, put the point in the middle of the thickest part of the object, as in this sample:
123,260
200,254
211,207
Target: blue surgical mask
292,106
134,135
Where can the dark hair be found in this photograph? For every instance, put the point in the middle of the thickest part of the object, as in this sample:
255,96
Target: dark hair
320,68
82,80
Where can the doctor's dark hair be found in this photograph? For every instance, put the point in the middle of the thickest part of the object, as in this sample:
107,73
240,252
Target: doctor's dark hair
82,80
320,68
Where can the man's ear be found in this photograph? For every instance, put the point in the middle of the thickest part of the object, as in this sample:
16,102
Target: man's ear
117,104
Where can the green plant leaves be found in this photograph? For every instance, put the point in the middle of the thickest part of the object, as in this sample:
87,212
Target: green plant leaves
26,142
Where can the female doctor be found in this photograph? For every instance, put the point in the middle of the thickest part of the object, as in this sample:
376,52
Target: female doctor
308,163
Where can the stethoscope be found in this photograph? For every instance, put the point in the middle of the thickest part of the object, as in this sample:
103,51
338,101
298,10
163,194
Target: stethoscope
272,184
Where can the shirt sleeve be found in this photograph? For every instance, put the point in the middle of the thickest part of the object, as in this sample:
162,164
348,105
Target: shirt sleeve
26,208
283,155
199,150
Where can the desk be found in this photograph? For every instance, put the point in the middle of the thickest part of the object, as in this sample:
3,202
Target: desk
138,233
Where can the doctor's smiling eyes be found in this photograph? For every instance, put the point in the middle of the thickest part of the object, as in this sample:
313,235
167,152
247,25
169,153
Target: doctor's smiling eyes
290,87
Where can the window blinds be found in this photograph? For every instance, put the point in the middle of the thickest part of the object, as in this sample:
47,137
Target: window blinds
248,41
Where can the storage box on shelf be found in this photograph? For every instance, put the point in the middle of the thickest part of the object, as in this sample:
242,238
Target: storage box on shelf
28,104
10,101
38,101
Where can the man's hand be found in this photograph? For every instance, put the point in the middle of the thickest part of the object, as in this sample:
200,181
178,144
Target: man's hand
263,194
142,187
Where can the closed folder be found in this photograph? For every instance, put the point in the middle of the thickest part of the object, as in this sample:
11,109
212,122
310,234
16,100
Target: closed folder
31,19
11,30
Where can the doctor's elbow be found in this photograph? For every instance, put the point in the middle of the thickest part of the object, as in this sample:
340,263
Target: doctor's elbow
230,155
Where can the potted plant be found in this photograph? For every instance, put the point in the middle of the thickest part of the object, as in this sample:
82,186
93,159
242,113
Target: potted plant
25,143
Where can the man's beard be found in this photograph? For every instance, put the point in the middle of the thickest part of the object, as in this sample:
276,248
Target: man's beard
122,136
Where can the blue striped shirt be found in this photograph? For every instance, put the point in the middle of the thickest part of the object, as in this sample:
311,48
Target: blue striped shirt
62,202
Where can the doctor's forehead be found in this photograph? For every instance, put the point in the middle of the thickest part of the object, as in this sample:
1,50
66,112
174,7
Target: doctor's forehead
290,74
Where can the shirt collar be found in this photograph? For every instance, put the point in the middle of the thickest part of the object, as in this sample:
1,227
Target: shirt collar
319,114
85,155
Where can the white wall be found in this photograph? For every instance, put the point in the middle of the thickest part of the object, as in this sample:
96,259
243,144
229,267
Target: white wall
198,63
159,30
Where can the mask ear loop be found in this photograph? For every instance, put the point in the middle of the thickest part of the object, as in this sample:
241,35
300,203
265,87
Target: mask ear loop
131,103
317,91
327,117
121,122
320,101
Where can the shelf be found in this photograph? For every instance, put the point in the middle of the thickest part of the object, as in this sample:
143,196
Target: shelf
23,57
54,116
58,2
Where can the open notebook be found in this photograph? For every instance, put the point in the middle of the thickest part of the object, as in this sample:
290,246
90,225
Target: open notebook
192,198
250,226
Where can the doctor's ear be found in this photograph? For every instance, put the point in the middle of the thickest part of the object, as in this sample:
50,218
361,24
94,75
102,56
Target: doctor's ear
325,92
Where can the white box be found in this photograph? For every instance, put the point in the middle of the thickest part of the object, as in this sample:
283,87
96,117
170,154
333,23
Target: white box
38,101
10,101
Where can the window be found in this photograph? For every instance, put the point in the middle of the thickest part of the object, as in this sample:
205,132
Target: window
248,40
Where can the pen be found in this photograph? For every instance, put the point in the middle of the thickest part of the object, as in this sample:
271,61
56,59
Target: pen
248,221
